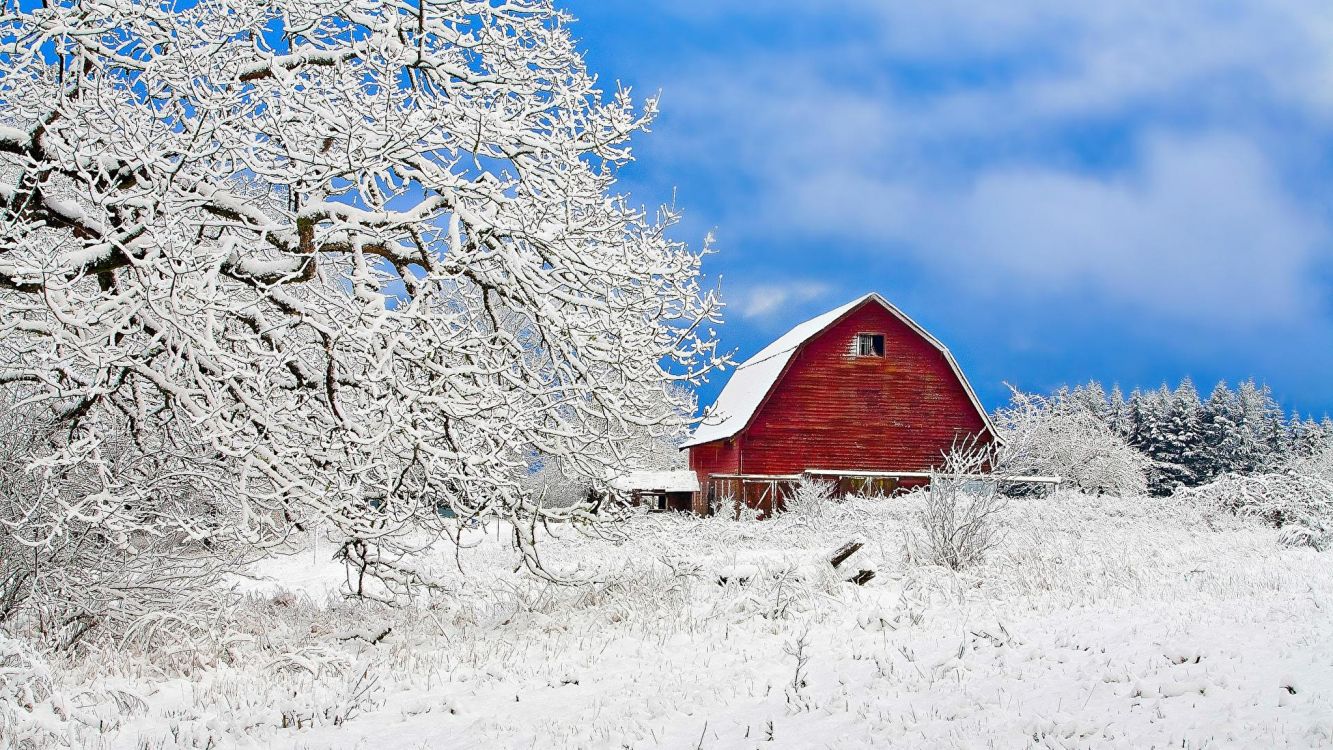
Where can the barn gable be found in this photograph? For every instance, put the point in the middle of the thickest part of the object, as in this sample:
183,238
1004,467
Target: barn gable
754,381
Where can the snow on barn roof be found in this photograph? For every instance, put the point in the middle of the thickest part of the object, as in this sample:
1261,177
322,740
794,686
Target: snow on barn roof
681,480
756,376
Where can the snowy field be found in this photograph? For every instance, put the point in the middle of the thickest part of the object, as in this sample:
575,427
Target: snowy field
1098,622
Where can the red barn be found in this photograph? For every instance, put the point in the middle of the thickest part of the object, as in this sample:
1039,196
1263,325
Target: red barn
860,395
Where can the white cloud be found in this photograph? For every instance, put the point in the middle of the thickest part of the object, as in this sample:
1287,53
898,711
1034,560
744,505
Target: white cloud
1199,228
770,299
1082,60
1053,56
1195,217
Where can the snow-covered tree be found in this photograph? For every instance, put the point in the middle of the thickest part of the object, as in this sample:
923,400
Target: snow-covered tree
1091,397
1261,428
1117,412
1307,437
1222,426
644,449
1147,413
1180,453
1188,441
368,253
1050,437
1168,427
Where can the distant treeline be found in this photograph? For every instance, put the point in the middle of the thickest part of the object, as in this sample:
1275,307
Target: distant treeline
1191,440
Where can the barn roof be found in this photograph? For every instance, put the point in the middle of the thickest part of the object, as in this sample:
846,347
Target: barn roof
756,376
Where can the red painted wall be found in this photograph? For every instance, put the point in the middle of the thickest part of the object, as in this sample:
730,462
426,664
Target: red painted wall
834,410
718,457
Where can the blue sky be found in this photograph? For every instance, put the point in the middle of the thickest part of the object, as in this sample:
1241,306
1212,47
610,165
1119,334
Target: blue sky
1131,192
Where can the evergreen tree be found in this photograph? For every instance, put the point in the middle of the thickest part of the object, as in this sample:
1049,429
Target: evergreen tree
1091,397
1277,440
1149,415
1117,412
1136,425
1224,445
1180,447
1307,437
1189,441
1261,429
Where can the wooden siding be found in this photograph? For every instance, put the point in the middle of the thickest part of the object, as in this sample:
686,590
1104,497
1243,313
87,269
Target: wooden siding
719,457
833,410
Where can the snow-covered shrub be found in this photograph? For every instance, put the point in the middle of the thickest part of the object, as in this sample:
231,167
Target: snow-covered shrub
25,682
723,504
1298,500
1058,438
1301,535
959,520
808,500
116,542
1318,465
747,513
549,486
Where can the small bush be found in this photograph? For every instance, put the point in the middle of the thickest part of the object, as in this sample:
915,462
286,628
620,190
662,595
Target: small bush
1300,535
959,521
108,537
809,500
25,682
1296,501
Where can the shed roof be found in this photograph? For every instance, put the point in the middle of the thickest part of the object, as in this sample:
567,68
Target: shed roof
756,376
681,480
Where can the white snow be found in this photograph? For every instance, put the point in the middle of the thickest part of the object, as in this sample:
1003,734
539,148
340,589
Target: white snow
1100,622
667,481
755,377
14,135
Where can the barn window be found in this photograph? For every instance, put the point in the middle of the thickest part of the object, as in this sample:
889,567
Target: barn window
870,345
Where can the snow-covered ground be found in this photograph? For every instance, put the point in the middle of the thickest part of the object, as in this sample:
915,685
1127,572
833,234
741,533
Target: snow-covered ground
1099,622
